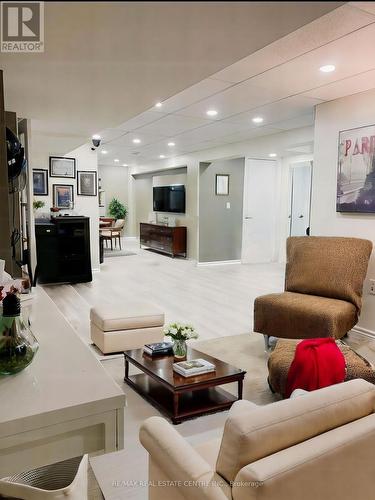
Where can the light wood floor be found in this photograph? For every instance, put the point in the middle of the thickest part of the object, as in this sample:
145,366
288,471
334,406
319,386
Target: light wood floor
217,300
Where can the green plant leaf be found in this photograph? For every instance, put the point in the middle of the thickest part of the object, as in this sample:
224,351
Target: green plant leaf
117,210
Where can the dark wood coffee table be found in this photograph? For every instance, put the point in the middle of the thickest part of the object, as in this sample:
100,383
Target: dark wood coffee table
177,397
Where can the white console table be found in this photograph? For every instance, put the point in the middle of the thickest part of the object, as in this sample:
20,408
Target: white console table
63,405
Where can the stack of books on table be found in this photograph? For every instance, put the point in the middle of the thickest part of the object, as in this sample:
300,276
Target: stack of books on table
193,367
158,349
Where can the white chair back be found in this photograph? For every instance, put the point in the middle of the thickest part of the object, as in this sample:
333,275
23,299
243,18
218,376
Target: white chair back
119,223
65,480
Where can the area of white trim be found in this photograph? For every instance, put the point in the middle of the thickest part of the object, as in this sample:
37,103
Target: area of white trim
96,269
218,263
130,238
364,331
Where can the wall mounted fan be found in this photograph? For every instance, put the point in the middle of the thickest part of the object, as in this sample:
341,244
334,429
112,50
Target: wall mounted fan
17,163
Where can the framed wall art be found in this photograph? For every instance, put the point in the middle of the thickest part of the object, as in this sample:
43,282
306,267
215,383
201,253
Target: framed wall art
40,182
59,166
87,183
356,170
63,196
222,184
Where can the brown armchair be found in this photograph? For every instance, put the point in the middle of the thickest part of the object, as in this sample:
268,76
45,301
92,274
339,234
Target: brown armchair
323,289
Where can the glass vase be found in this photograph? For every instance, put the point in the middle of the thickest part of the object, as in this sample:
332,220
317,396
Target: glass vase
18,345
179,348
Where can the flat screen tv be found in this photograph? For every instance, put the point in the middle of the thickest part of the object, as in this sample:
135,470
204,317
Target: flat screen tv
169,199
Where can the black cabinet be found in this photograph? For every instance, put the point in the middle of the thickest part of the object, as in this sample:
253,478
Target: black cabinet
63,250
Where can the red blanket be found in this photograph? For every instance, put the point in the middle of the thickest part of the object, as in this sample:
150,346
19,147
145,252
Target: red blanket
317,363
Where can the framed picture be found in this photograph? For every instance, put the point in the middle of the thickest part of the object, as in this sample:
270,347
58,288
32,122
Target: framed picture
40,182
222,184
63,196
356,170
87,184
59,166
101,199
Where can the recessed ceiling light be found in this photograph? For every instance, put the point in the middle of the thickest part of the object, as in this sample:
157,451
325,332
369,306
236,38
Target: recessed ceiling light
104,151
171,144
161,156
116,160
257,119
137,141
211,112
272,155
125,165
158,105
327,68
96,137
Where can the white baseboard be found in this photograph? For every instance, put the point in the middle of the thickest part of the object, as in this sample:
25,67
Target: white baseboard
130,238
363,331
218,263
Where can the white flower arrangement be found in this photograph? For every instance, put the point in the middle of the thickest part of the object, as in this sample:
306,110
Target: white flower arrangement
178,331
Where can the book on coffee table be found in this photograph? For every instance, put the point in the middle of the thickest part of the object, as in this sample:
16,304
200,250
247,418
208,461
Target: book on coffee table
158,348
193,367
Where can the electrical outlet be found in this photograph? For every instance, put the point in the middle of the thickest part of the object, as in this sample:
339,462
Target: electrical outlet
372,287
228,205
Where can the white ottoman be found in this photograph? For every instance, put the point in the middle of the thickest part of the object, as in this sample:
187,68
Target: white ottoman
117,328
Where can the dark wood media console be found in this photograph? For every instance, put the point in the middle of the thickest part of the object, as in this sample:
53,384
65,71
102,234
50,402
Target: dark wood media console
169,240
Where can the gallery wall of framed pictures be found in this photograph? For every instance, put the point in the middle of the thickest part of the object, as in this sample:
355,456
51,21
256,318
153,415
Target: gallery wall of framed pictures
67,182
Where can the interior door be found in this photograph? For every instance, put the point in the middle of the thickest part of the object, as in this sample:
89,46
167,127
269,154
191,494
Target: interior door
260,205
300,199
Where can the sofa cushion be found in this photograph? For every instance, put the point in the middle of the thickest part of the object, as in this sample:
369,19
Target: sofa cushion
110,317
297,315
327,266
268,429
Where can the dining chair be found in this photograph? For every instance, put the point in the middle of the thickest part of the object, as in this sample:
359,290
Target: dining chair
113,233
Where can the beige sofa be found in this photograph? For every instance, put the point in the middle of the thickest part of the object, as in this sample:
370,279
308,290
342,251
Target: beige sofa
317,446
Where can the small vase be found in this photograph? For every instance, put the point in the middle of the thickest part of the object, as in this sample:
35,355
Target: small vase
18,345
179,349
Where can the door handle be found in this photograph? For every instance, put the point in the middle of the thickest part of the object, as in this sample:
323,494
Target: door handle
247,218
300,216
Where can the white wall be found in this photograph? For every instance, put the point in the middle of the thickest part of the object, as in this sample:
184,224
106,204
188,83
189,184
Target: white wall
115,183
349,112
255,148
86,159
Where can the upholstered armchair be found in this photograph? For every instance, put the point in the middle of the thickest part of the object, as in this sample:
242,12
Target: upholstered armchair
323,289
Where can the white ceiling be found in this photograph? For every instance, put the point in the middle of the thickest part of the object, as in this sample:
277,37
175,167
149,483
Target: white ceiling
106,62
280,82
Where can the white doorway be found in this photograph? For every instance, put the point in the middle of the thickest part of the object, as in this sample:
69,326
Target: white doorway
259,211
300,198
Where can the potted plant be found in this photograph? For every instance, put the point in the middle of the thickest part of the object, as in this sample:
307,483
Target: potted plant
38,204
180,333
117,210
